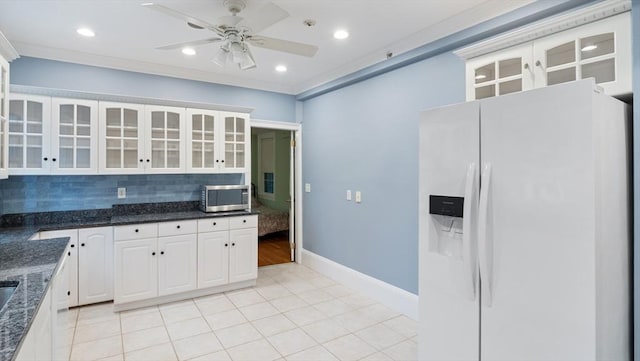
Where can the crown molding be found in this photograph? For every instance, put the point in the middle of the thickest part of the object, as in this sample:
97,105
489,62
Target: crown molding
548,27
6,49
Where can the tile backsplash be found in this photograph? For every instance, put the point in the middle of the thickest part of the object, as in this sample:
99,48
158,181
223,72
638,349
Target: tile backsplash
23,194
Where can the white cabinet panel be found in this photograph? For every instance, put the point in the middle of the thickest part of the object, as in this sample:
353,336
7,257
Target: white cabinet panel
177,264
95,265
243,254
236,154
213,259
74,131
4,116
29,134
136,270
71,262
38,343
122,138
164,145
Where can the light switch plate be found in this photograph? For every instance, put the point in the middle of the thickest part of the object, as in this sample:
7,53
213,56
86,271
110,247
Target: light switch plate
358,197
122,193
307,187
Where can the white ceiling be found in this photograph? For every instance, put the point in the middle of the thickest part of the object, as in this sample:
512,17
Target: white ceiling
127,33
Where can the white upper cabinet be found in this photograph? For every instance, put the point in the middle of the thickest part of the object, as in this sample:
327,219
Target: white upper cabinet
217,141
164,131
74,141
236,134
600,49
4,110
29,134
121,138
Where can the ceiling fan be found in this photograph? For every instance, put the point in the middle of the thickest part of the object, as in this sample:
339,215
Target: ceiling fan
236,33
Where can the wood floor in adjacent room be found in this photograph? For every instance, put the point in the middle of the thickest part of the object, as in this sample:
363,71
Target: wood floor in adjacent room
274,249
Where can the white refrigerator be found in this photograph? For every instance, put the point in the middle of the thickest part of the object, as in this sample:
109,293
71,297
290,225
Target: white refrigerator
524,233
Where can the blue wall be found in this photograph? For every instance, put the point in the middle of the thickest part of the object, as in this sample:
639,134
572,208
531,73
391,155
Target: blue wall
365,137
68,76
21,194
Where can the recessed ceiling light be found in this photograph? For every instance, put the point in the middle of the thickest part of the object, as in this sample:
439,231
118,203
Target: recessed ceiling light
86,32
281,68
188,51
341,34
590,47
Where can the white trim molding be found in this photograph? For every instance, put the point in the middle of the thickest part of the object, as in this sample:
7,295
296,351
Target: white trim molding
391,296
544,28
7,51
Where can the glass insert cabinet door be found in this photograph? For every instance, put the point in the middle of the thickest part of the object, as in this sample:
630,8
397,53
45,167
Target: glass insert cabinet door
29,134
599,50
505,72
75,136
121,144
202,135
235,140
164,127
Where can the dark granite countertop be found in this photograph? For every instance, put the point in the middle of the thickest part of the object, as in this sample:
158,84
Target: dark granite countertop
31,264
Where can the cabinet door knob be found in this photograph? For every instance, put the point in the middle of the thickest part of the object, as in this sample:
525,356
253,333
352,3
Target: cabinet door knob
244,221
178,226
233,244
226,244
69,253
526,66
148,161
153,253
68,293
538,63
82,244
141,160
161,252
217,160
45,158
73,245
137,230
222,161
53,159
214,223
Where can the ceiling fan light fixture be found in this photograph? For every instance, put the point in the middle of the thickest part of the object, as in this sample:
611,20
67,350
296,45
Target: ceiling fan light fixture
246,61
221,57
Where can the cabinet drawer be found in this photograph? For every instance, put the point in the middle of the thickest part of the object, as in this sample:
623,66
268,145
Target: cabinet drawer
213,225
135,231
177,228
243,222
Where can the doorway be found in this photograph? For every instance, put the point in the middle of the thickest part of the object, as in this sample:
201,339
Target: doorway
273,193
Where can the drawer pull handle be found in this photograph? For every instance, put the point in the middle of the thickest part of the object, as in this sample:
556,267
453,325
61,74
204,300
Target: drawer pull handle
244,221
178,227
214,223
137,230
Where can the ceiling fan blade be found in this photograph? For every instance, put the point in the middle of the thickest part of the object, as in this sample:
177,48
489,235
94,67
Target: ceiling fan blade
178,15
266,16
284,46
189,43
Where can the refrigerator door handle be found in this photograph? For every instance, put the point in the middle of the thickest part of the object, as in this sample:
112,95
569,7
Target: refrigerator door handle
485,243
469,247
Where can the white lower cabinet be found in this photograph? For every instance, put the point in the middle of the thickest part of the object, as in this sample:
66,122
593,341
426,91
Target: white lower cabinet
160,259
162,263
46,337
229,255
89,264
95,265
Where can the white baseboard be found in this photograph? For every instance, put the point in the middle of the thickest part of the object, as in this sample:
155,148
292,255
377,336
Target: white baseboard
393,297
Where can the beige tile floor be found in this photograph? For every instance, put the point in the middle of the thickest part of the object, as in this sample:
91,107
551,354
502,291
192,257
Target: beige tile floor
293,313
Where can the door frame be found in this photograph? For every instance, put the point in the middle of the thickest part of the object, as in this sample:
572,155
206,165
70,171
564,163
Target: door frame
296,128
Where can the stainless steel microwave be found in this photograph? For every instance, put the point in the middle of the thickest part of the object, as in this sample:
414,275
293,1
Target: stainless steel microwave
224,198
